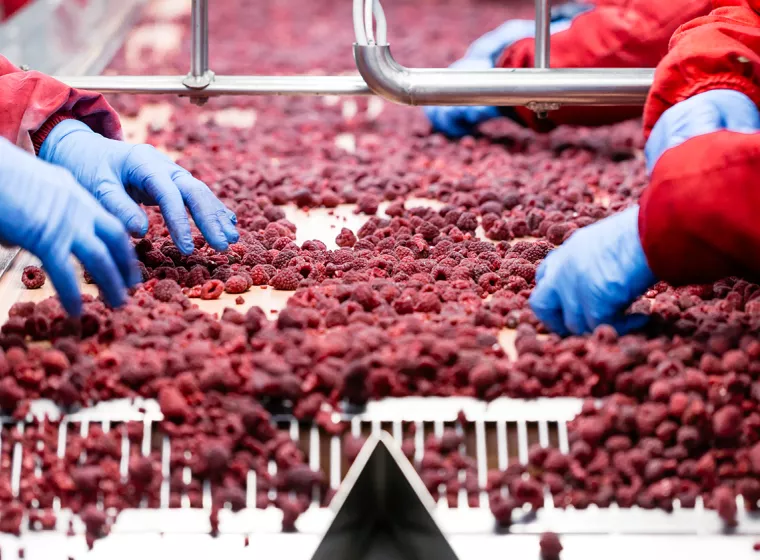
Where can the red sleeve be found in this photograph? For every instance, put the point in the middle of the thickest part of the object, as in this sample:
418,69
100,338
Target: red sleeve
718,51
32,103
615,34
698,219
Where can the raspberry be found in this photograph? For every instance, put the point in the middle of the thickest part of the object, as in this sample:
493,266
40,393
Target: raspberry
240,300
259,276
559,232
550,546
197,276
345,238
467,221
286,280
236,285
212,289
724,501
490,282
164,290
537,251
368,204
283,258
33,277
428,303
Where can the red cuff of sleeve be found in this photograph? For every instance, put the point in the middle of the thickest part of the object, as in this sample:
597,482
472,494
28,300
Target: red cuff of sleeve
39,136
661,100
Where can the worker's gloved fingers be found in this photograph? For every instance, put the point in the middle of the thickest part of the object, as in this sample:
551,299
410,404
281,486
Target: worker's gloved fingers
112,233
166,195
118,202
628,323
211,216
64,279
572,314
97,260
545,303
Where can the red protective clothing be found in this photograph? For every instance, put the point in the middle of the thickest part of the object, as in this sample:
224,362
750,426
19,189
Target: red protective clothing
615,34
31,104
698,220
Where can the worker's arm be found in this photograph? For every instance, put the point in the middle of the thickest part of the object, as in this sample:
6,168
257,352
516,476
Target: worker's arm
47,213
458,121
698,218
697,221
79,131
31,104
615,34
717,51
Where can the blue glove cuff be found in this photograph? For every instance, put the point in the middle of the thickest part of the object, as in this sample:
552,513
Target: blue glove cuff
59,132
710,111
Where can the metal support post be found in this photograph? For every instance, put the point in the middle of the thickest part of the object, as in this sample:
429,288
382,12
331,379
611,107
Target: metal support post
200,76
543,19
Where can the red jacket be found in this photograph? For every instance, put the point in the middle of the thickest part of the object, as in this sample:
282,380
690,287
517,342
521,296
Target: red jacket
31,104
699,218
615,34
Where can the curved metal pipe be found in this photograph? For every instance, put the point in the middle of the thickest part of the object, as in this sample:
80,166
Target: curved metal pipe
499,87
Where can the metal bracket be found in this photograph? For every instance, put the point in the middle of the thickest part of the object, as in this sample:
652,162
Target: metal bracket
198,83
542,108
383,511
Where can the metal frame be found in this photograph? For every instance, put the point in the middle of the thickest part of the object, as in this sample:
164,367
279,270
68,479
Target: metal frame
540,88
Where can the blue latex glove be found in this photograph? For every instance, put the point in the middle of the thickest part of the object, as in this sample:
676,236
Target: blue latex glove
119,175
593,277
459,121
48,213
720,109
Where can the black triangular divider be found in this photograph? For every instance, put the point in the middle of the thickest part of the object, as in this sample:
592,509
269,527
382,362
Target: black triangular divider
383,511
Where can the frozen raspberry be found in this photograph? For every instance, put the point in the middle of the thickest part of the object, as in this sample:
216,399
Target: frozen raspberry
727,422
287,280
724,502
537,251
33,277
490,282
236,285
428,303
368,204
197,276
467,221
173,404
259,276
550,546
164,290
345,238
212,289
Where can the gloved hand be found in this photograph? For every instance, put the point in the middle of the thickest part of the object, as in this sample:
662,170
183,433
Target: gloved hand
46,212
704,113
459,121
593,277
120,175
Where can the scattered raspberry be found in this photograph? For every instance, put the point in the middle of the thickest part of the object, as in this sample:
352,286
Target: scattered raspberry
33,277
550,546
212,289
345,238
165,290
287,280
236,285
240,300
